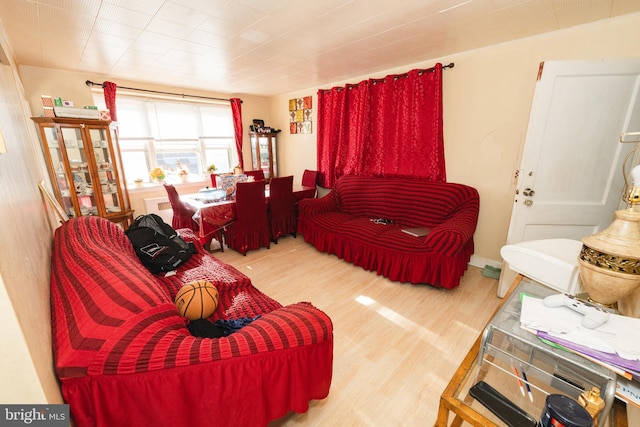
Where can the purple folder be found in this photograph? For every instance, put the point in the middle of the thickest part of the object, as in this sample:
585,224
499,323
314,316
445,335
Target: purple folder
631,366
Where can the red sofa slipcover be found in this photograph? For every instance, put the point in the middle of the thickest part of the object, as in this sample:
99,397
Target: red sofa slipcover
125,357
341,223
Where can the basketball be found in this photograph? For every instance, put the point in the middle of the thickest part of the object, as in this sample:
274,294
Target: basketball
197,300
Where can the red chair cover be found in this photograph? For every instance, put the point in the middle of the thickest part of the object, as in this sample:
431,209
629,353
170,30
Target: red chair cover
250,230
258,175
183,218
309,178
182,214
282,216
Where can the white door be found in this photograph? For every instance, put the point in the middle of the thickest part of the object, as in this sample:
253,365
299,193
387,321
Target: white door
570,180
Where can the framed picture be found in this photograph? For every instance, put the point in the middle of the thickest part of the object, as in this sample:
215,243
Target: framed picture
60,213
300,115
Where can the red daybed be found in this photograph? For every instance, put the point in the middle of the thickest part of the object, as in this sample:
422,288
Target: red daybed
125,357
341,223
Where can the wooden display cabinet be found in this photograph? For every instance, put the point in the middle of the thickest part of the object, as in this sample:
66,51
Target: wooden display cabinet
263,153
85,168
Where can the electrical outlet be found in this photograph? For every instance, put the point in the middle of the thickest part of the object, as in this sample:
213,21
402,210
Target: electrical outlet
3,145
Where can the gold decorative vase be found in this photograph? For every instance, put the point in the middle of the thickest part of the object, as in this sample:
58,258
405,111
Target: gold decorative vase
609,261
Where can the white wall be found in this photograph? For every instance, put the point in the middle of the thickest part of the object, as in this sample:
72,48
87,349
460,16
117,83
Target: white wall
26,230
17,369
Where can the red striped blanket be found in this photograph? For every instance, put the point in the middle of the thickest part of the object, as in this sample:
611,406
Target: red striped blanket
125,357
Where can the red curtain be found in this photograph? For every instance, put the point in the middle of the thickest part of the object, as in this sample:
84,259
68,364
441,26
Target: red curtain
110,99
236,109
383,127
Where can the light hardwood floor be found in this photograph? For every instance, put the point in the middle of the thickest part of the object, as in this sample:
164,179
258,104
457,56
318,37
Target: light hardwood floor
395,345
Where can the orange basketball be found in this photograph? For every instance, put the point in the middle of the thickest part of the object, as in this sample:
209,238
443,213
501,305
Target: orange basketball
197,300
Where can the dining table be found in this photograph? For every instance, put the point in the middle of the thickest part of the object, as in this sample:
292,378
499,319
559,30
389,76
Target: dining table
214,213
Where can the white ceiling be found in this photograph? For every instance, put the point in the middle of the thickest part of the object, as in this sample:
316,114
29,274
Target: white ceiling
271,47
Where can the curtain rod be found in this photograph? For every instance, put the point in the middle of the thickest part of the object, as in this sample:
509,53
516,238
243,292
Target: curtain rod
90,83
420,72
352,85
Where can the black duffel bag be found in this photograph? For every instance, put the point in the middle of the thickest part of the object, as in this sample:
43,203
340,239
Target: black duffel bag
157,244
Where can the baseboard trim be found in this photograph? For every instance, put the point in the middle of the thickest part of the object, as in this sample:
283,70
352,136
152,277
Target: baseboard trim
480,262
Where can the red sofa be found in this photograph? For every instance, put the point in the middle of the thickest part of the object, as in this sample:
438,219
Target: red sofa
125,357
341,223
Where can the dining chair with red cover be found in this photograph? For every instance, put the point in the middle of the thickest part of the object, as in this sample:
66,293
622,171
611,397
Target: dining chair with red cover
182,214
183,218
282,215
309,178
258,175
250,230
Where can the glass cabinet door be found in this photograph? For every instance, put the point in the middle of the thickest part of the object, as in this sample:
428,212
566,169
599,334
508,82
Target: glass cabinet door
263,143
263,152
254,154
63,182
268,156
77,156
106,170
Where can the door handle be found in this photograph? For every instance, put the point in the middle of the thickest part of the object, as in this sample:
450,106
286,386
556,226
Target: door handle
528,192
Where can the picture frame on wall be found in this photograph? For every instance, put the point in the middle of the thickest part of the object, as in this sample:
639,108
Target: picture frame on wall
300,115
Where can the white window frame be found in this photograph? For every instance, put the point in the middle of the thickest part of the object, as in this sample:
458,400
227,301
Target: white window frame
150,148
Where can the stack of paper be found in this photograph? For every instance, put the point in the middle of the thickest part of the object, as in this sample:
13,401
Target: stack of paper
77,113
613,344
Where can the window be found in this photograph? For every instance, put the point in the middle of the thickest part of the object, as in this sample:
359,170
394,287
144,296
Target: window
163,133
